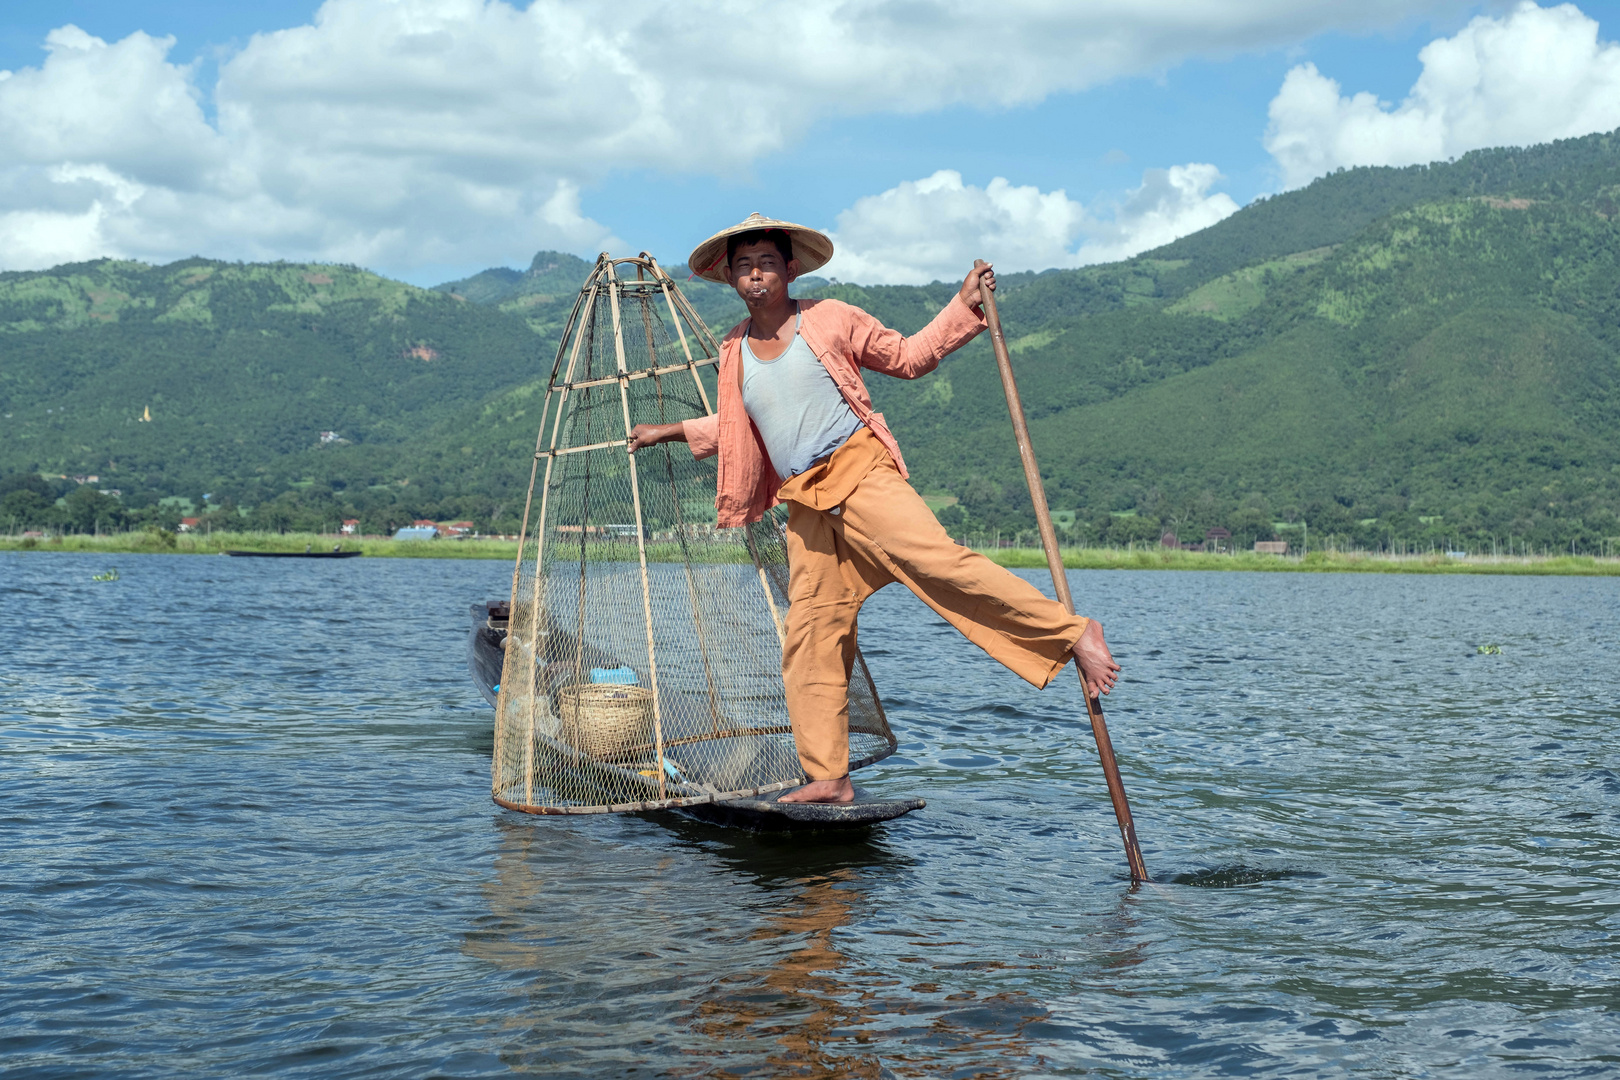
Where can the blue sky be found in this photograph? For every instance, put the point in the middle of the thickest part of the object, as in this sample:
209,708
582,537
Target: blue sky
286,181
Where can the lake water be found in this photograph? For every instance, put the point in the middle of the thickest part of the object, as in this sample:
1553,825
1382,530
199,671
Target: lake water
247,830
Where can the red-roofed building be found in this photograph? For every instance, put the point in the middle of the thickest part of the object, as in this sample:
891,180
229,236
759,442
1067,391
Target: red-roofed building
460,528
350,526
188,524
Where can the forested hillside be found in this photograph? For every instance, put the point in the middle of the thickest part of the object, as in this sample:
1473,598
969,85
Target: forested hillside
1414,353
207,377
1456,361
1431,370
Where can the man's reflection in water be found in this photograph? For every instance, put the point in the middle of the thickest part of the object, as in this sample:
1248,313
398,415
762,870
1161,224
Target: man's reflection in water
818,1023
694,951
829,1016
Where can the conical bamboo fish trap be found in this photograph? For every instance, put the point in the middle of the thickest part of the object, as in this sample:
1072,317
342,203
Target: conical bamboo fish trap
643,661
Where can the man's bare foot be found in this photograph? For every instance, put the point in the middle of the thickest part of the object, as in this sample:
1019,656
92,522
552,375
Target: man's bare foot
1096,663
833,791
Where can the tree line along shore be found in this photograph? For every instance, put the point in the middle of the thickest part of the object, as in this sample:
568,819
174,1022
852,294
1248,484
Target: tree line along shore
162,542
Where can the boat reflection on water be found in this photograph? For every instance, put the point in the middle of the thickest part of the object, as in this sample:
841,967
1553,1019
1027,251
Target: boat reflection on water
726,954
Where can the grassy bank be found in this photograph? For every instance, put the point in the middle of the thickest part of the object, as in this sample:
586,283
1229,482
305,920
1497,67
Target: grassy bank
1315,562
149,543
1022,558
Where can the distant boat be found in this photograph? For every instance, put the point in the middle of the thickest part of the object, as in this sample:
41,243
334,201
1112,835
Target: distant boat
296,554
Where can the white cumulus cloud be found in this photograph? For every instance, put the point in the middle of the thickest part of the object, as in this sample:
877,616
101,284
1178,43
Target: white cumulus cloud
403,133
1531,76
1170,204
932,229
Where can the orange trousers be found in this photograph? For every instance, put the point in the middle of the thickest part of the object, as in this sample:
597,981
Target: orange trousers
854,526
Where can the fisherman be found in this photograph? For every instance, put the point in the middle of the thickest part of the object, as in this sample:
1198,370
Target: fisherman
796,425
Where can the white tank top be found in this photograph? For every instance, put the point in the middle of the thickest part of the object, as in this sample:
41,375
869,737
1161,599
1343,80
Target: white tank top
797,407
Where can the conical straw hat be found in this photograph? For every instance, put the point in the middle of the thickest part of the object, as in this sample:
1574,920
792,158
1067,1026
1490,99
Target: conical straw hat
810,247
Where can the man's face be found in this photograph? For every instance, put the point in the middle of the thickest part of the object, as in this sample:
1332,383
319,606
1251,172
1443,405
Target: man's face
760,275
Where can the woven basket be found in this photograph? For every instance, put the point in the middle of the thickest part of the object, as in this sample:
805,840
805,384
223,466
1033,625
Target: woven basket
605,720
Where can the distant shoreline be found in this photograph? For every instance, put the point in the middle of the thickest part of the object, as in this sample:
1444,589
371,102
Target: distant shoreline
1317,562
218,543
1018,558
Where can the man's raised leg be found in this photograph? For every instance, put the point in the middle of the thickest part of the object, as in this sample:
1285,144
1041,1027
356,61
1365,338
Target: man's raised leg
887,523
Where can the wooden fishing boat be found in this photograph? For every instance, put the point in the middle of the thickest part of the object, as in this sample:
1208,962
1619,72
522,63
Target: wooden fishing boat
486,658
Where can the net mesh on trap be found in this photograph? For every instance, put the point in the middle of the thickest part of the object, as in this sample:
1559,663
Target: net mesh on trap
643,663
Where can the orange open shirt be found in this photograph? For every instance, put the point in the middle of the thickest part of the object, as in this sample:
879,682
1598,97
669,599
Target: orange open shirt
845,339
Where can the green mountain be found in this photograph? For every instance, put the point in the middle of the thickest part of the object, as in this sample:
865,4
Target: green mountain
1442,370
1421,354
209,377
309,392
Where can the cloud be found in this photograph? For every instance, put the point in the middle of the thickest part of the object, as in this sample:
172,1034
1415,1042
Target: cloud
44,237
122,106
321,149
1170,204
932,229
1531,76
417,132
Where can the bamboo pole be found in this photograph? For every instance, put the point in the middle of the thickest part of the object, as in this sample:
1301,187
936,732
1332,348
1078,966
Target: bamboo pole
691,365
641,534
585,306
675,494
699,327
1060,580
764,583
523,531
